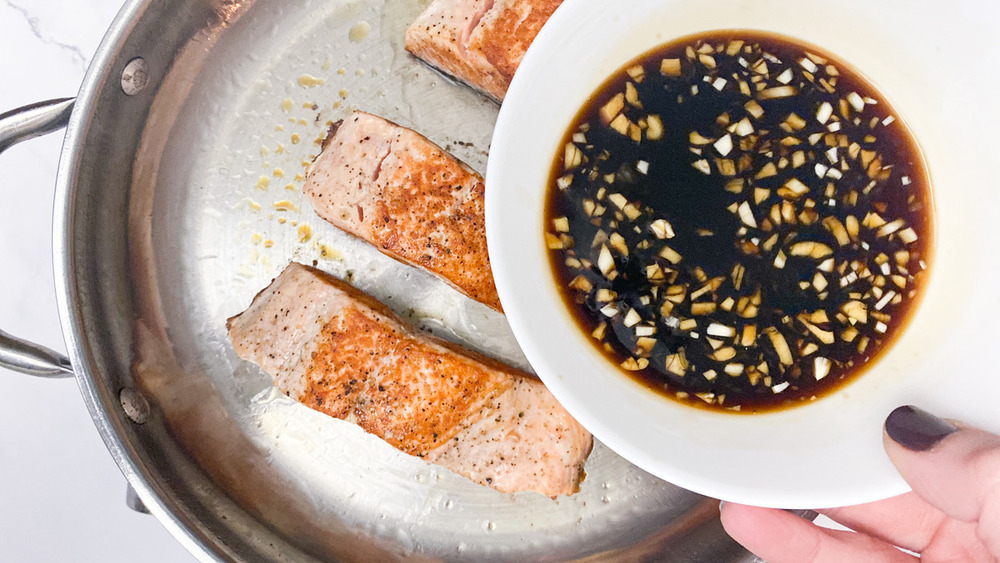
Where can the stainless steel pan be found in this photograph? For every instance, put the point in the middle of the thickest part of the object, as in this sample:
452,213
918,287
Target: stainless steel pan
179,198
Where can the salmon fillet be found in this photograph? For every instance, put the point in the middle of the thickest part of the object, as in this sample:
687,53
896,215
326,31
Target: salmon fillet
394,188
342,353
480,42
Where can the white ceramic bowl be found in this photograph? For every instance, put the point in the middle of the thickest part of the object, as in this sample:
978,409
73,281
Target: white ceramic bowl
939,65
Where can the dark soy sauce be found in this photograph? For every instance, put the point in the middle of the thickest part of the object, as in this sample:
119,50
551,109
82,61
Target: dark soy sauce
739,221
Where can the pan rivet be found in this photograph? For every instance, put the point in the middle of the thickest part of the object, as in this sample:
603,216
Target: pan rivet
135,405
135,76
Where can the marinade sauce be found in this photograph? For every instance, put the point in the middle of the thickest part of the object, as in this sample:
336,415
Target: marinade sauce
739,221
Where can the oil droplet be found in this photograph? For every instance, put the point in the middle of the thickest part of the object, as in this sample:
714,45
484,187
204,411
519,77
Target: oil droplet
285,205
359,32
336,105
256,238
264,151
268,243
282,220
305,233
287,104
303,122
342,71
279,128
254,205
280,149
328,252
295,138
278,173
359,72
327,63
263,183
290,187
299,177
307,80
343,93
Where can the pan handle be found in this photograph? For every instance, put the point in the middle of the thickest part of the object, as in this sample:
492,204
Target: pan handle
16,126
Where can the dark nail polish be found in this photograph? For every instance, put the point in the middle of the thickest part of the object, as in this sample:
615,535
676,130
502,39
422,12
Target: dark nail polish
915,429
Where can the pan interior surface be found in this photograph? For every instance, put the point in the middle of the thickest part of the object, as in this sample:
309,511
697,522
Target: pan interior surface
210,211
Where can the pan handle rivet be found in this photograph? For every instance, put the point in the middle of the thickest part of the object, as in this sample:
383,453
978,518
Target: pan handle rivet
135,76
135,405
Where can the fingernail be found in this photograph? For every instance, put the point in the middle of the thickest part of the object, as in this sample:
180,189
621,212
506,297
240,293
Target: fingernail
722,504
915,429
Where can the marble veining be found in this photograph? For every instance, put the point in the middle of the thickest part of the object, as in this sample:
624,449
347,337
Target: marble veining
35,25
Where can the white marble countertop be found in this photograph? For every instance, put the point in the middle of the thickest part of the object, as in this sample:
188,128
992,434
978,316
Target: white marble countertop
62,498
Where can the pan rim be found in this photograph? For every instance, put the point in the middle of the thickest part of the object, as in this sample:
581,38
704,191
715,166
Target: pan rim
71,317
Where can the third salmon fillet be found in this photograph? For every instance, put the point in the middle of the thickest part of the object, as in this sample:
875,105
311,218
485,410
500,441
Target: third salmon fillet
480,42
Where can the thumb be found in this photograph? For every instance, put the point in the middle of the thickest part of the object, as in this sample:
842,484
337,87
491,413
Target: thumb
954,467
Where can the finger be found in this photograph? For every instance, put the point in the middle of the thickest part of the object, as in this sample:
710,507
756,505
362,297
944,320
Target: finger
906,521
779,537
953,467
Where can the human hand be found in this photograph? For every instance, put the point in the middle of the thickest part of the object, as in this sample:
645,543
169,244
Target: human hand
953,513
